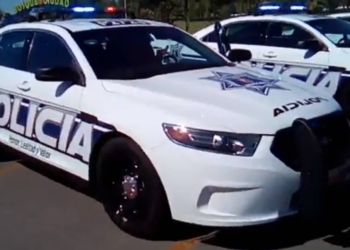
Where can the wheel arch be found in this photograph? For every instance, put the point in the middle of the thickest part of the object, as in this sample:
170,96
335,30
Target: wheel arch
96,150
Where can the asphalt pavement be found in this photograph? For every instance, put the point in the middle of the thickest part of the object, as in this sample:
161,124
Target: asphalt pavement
41,209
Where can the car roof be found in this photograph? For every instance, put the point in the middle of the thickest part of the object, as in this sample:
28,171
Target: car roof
279,17
345,14
76,25
299,17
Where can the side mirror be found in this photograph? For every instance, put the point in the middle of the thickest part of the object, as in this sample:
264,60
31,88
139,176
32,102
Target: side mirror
239,55
222,41
312,44
57,74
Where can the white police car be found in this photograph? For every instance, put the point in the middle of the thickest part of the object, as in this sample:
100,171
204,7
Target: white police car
311,48
164,131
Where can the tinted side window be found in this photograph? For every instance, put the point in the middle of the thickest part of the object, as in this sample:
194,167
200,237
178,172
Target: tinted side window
14,49
48,51
250,33
286,35
211,37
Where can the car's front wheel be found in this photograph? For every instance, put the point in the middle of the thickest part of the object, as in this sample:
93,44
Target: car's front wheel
130,188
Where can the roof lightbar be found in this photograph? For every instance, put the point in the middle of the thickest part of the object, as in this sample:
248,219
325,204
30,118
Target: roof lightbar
108,9
53,13
269,7
298,7
279,8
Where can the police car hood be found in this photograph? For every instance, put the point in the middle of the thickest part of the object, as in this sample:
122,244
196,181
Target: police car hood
236,97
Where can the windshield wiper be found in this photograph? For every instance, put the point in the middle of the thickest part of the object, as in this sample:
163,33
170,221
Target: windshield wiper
150,71
141,73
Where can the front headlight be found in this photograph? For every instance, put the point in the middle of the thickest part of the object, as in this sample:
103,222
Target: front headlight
218,142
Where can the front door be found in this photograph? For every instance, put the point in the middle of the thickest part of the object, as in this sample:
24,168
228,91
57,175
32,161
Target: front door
284,53
249,35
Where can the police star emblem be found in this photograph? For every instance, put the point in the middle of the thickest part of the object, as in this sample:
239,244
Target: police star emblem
257,84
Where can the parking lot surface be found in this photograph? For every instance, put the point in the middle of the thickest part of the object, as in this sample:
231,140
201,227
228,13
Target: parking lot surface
41,209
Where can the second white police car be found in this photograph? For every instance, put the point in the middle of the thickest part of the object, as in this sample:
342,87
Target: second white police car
164,127
312,48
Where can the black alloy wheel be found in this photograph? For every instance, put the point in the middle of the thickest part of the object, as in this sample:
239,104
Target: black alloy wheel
130,189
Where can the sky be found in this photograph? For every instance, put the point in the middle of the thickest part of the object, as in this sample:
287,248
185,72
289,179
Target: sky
7,5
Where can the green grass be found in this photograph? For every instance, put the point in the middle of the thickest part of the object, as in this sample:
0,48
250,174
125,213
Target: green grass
194,25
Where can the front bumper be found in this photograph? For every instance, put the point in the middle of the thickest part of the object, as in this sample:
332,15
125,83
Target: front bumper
287,174
226,191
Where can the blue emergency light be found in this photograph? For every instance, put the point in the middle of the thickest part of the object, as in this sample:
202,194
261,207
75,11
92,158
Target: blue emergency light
83,9
281,8
269,7
298,7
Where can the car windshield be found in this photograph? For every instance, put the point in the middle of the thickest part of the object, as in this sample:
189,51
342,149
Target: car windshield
144,51
336,30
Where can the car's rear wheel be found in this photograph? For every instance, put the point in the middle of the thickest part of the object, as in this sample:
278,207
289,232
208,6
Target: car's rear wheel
130,188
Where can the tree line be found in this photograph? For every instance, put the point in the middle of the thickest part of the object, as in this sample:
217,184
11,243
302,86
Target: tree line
194,10
168,10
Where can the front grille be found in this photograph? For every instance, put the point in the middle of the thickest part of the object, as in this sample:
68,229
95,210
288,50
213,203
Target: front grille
333,132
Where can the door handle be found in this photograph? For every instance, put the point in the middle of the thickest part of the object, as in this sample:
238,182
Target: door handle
24,86
270,55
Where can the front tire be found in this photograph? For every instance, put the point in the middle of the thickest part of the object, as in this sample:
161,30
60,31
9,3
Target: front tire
130,189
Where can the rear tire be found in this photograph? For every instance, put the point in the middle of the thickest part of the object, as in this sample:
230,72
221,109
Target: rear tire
130,189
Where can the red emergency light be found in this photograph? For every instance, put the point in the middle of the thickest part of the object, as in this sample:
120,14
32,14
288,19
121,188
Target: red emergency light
110,9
